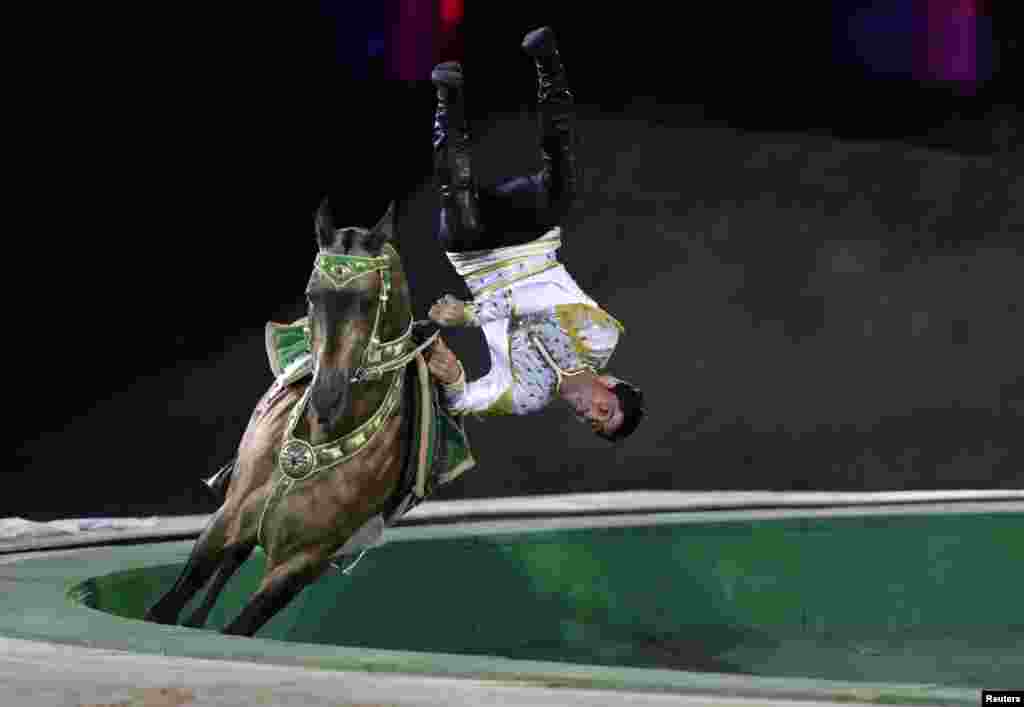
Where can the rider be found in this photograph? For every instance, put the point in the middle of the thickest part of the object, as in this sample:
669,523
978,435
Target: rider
547,338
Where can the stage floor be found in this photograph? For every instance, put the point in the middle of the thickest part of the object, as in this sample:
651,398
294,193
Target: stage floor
769,592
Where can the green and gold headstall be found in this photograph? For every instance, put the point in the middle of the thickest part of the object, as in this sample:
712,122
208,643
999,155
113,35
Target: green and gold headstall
339,271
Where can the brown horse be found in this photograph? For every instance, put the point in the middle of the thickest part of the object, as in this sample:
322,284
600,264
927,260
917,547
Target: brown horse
319,457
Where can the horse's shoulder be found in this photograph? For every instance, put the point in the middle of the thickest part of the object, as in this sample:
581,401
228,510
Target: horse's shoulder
271,413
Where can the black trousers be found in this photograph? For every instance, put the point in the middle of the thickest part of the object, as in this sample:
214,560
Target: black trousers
516,210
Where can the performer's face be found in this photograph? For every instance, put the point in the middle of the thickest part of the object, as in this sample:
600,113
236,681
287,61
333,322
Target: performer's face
597,406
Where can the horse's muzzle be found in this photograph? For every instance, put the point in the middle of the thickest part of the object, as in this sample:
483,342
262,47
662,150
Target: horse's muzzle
330,394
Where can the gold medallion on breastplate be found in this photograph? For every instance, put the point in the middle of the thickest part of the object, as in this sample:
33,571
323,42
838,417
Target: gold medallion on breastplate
297,458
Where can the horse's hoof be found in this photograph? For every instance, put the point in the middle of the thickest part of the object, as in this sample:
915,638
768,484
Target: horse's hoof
156,619
194,622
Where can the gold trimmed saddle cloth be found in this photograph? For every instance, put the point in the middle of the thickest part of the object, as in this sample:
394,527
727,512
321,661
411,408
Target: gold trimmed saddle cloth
287,345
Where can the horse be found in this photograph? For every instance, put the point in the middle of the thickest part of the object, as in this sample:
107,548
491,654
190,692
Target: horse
321,457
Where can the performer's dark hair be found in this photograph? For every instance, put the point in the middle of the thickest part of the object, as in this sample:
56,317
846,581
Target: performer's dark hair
631,401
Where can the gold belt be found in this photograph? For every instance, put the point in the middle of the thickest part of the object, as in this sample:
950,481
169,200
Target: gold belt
503,283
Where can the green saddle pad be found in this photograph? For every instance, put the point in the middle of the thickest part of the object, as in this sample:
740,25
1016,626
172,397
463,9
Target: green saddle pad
286,344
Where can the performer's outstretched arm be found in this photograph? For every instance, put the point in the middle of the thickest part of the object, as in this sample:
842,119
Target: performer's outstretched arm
491,394
450,311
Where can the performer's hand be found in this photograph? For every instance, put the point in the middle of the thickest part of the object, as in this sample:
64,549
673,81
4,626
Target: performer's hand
443,364
451,311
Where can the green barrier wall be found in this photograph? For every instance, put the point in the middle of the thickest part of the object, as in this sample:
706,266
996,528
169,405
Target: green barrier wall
932,599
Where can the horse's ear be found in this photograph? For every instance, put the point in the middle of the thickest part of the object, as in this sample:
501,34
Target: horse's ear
323,224
386,226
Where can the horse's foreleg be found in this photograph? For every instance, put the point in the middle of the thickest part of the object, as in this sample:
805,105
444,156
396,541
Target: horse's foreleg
279,586
233,559
204,560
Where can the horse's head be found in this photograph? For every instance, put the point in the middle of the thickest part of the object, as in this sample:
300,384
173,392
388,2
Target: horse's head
351,272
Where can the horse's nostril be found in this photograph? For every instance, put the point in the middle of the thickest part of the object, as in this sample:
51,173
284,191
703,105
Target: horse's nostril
329,395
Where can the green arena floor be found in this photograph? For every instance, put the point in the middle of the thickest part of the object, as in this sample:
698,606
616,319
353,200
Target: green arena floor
872,607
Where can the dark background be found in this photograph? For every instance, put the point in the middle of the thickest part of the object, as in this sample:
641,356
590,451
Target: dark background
811,233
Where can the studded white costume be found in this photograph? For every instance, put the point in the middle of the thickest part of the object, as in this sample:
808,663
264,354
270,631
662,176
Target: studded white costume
538,323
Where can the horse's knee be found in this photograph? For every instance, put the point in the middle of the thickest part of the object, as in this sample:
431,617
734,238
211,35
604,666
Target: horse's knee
302,568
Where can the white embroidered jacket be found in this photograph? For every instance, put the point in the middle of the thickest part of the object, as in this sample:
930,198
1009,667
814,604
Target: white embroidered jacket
538,323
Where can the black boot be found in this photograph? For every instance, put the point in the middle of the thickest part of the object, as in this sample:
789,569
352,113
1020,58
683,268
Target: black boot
452,165
556,114
552,84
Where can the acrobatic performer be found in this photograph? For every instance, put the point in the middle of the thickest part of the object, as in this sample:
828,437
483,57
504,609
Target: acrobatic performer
547,338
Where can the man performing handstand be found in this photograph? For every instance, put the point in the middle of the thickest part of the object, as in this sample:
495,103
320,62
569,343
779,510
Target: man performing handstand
547,338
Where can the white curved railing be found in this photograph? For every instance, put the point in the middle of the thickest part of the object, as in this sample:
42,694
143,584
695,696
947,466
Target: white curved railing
651,501
20,535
